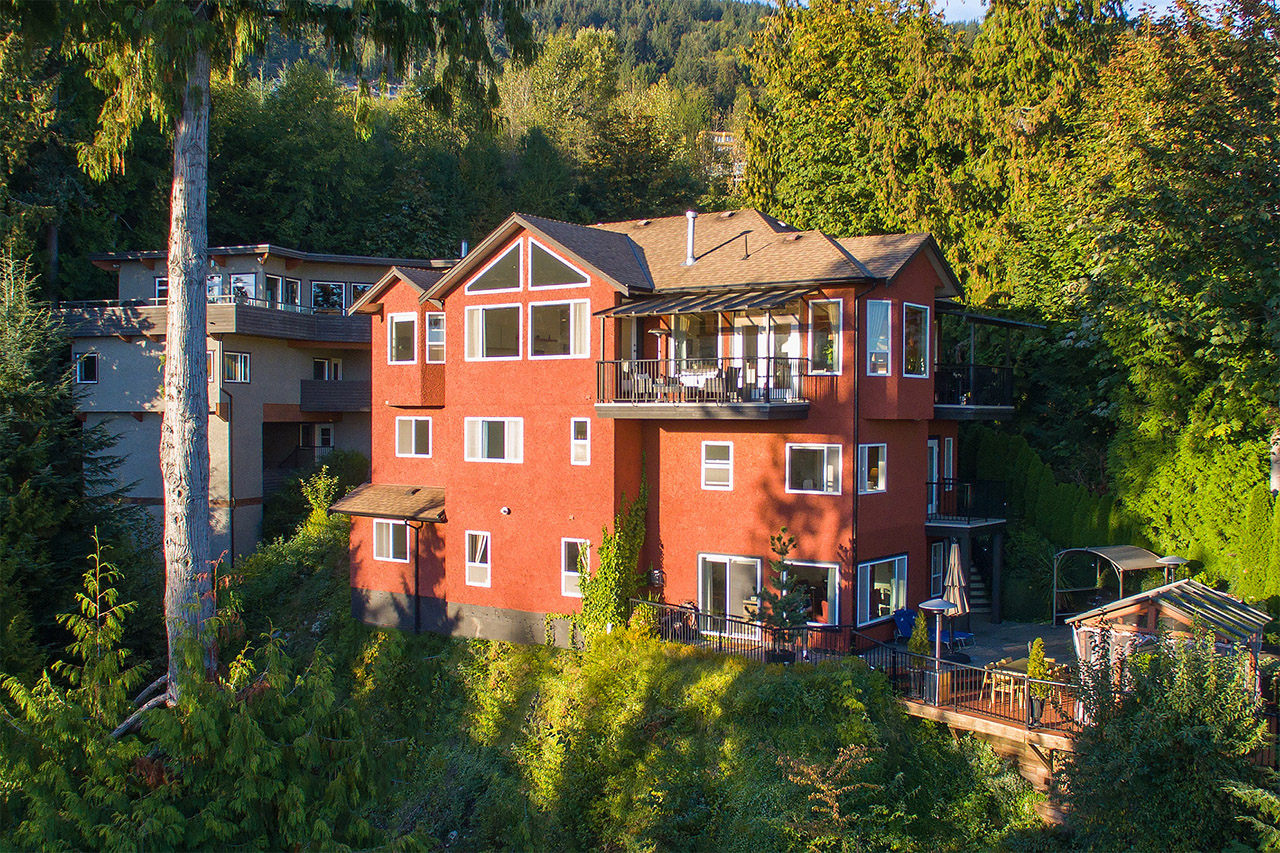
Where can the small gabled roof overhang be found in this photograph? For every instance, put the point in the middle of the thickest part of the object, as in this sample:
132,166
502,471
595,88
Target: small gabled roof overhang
420,279
887,255
611,256
404,503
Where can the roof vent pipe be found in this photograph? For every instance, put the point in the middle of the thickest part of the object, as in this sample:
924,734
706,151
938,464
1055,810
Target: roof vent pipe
688,257
466,247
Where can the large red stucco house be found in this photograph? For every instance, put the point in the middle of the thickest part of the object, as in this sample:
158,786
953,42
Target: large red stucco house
759,376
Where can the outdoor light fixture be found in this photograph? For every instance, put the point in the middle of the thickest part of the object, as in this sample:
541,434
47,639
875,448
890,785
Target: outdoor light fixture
656,577
1171,564
506,510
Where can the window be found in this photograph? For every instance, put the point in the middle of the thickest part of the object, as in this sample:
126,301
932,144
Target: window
292,292
208,365
317,437
273,289
937,566
717,465
821,583
824,335
326,368
326,297
727,586
213,287
696,338
871,468
402,338
244,286
882,589
87,368
574,557
494,440
948,465
915,340
559,329
478,562
813,468
501,275
358,290
235,367
878,332
435,338
493,332
162,287
546,270
390,540
413,436
580,441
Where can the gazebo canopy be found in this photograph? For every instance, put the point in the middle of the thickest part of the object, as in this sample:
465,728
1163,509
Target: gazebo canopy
1122,558
1193,602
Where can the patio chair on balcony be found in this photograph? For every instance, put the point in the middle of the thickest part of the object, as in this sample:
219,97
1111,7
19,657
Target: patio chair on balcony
904,622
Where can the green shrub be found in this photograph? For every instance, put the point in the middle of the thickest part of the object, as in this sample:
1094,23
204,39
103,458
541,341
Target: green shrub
287,507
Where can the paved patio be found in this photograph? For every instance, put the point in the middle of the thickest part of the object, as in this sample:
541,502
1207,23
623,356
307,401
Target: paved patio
1012,640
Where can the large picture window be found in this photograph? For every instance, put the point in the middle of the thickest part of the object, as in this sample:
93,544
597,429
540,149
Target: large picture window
244,286
501,275
879,334
493,332
882,589
413,436
696,340
494,440
402,338
821,585
872,476
573,560
479,561
326,297
915,340
813,468
390,540
824,335
559,329
546,270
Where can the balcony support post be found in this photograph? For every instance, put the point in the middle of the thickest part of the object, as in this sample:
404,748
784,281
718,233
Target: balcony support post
973,360
997,573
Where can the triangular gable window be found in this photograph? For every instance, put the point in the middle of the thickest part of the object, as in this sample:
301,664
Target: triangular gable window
549,271
502,274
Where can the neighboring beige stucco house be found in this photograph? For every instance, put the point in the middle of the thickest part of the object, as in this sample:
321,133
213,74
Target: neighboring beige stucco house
289,370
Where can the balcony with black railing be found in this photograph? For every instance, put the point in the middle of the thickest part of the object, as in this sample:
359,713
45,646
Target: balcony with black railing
955,503
972,391
744,388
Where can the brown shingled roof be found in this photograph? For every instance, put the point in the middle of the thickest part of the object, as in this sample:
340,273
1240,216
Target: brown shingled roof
736,248
378,500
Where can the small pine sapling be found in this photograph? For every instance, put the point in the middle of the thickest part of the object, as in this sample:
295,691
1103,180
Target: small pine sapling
918,643
787,605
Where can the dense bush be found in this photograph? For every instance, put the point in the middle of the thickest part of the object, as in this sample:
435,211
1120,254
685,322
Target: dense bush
288,507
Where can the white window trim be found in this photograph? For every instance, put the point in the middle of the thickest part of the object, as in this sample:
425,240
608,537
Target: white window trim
862,469
516,247
488,567
519,332
863,596
392,319
838,360
948,462
928,349
570,303
570,264
564,569
835,605
79,358
728,558
575,442
297,289
247,364
937,549
889,351
469,458
159,279
431,438
427,343
717,464
390,522
839,449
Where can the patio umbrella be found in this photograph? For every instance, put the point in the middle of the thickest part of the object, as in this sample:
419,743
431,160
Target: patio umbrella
953,589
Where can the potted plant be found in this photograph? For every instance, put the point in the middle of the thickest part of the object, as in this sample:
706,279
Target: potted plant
1037,673
920,649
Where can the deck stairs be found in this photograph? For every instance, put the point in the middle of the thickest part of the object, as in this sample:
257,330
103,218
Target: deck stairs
979,595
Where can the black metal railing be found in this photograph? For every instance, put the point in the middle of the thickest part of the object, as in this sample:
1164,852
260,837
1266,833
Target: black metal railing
953,500
215,299
972,385
302,457
707,380
981,690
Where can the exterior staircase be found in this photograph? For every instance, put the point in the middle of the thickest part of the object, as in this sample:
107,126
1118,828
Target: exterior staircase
979,595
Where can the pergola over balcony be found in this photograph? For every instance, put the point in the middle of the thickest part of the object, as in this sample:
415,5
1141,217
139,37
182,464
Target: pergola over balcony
766,376
967,390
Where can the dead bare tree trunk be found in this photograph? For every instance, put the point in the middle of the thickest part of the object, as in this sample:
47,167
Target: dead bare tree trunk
184,434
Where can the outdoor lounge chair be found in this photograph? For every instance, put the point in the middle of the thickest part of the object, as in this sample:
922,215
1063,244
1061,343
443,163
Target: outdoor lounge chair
904,622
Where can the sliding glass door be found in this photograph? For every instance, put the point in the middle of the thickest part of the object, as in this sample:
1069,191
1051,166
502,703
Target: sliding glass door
727,586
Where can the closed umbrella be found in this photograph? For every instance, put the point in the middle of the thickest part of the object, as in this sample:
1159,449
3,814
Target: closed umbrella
954,588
